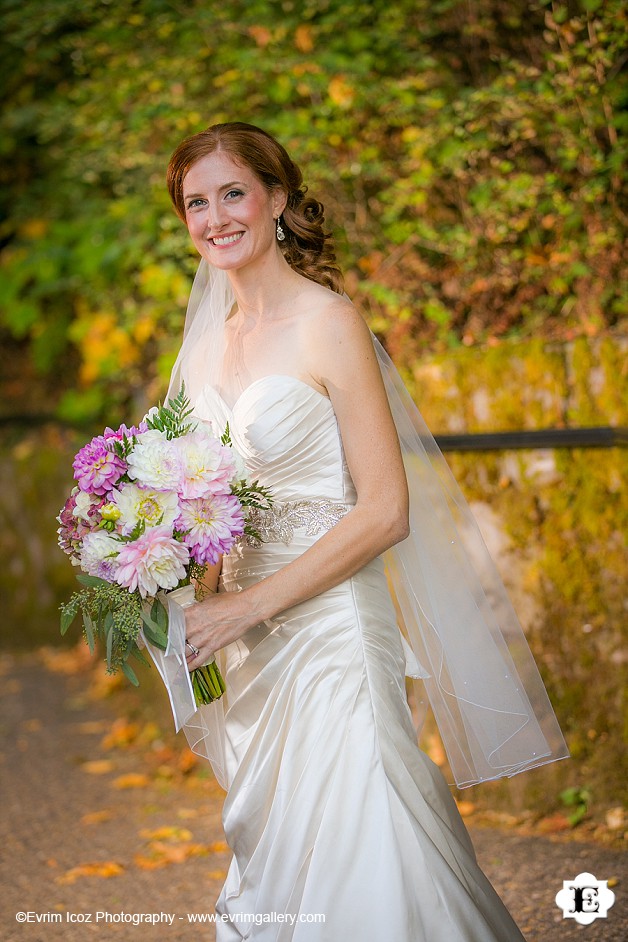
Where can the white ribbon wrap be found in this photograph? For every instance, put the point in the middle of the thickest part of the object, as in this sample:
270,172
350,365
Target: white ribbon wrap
204,725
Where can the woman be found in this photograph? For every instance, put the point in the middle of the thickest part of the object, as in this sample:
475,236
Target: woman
331,807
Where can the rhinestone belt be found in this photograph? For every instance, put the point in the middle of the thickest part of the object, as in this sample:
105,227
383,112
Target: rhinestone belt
278,523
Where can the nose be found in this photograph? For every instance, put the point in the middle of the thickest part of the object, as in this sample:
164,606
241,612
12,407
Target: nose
215,217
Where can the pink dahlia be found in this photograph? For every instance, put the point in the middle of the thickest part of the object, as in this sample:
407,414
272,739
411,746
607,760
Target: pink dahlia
210,526
124,432
96,468
72,529
152,562
207,467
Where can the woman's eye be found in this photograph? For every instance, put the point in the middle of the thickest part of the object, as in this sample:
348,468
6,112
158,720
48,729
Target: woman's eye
193,204
232,194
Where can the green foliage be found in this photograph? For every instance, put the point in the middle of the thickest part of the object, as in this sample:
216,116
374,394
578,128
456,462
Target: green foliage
115,616
469,156
171,419
578,800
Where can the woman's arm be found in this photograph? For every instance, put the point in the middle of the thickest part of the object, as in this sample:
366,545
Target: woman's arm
341,358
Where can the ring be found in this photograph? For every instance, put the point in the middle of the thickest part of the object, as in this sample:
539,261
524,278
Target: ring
193,648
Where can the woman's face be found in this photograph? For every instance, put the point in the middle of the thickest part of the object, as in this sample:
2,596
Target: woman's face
229,213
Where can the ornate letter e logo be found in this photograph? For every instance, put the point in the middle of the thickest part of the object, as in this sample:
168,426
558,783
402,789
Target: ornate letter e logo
585,899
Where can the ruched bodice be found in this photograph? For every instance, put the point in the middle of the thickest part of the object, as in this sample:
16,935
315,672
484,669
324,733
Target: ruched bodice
287,433
341,828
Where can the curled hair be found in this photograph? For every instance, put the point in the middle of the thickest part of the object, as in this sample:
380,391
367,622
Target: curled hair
307,247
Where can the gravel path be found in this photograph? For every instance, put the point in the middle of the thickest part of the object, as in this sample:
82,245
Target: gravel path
59,813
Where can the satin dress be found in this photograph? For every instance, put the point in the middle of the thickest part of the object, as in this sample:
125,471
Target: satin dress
341,827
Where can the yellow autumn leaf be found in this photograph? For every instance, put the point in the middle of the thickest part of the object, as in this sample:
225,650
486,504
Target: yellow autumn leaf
104,869
131,780
34,228
167,833
217,874
340,92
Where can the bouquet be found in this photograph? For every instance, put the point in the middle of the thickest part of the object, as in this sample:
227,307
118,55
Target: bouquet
154,505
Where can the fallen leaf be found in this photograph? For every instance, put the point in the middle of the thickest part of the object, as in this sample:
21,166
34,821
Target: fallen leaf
104,869
98,766
92,726
466,808
167,833
121,734
96,817
131,780
187,761
553,824
67,660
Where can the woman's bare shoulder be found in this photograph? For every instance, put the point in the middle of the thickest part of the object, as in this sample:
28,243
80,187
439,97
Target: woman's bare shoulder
325,313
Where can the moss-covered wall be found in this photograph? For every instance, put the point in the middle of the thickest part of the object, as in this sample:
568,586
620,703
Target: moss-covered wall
556,521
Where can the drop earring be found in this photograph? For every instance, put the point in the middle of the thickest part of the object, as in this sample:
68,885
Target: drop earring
281,235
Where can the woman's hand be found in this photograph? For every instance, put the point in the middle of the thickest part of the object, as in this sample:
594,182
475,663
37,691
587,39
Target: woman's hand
215,622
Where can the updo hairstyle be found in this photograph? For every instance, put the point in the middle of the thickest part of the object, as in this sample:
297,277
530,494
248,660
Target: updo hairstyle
307,247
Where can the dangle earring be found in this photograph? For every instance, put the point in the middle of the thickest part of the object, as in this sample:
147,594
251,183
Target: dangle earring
281,235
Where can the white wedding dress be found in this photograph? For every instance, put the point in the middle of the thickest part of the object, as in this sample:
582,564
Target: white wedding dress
332,808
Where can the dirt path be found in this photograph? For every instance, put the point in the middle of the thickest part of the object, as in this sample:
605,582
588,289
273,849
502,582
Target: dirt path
162,839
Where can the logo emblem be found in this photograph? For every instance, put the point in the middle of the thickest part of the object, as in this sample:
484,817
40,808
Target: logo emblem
585,899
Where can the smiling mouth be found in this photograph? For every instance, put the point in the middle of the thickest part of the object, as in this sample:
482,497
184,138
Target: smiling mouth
227,240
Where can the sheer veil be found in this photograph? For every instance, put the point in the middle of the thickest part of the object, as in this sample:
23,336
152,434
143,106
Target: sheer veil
464,646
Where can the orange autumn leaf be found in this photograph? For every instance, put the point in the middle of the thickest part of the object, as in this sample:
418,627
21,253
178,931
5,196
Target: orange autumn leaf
217,874
303,38
98,766
218,847
261,35
466,808
72,661
554,823
122,733
187,761
131,780
160,854
96,817
104,869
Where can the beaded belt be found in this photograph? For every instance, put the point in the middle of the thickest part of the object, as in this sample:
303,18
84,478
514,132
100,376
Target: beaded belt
278,523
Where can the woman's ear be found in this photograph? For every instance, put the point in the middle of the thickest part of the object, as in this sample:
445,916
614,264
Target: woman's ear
279,200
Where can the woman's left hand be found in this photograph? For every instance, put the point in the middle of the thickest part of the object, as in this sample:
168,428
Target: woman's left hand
215,622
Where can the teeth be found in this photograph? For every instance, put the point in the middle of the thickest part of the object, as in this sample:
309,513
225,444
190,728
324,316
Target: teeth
227,239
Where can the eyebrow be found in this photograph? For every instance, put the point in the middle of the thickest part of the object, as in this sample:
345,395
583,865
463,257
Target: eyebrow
225,186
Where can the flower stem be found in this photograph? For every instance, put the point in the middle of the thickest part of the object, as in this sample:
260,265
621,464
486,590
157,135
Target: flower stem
207,684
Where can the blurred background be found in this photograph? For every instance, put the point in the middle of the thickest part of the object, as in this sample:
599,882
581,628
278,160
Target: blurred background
470,159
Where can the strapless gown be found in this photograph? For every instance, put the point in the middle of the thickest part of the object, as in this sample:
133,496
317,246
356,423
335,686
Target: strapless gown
332,809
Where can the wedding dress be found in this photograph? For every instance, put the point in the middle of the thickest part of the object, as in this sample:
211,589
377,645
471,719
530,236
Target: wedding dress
332,809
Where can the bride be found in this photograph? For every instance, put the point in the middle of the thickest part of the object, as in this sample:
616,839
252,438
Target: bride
340,827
